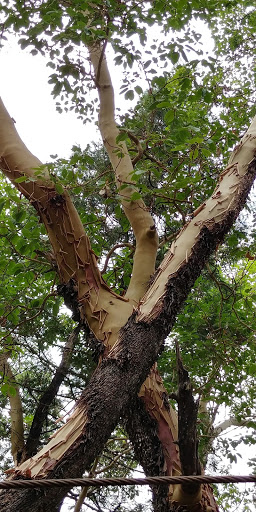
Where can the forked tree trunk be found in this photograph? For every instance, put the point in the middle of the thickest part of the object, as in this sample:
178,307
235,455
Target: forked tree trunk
123,371
132,330
109,393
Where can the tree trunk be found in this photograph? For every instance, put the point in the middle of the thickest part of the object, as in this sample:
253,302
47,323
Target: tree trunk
152,427
133,345
111,390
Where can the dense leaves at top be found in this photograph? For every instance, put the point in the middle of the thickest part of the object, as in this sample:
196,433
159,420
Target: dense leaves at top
193,106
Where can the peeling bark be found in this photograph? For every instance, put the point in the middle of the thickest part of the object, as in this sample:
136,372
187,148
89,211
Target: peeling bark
135,347
109,393
152,426
111,388
136,211
216,214
96,304
139,342
154,396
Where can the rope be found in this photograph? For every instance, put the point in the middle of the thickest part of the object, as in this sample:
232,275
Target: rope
104,482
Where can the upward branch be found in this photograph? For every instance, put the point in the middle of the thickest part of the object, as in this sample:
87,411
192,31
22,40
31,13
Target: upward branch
136,211
74,447
48,396
16,415
78,271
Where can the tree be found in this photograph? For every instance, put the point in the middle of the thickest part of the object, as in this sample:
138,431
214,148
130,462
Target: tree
164,159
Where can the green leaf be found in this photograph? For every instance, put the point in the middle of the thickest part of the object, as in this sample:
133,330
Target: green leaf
135,196
122,136
55,308
4,389
138,89
169,116
174,56
207,96
2,203
129,95
147,64
193,154
21,179
164,104
59,188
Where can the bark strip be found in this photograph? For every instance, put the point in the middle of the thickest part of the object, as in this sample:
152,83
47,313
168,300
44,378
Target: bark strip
211,220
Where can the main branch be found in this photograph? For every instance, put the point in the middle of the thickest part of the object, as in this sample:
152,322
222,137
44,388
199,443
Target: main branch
136,211
82,283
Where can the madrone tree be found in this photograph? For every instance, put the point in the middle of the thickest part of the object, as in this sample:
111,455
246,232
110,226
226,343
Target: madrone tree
159,164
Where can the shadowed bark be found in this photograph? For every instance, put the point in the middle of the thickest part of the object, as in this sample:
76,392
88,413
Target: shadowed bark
187,434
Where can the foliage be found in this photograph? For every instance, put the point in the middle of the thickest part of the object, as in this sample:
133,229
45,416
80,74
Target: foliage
180,132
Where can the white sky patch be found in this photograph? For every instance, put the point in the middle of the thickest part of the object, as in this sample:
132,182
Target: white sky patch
27,96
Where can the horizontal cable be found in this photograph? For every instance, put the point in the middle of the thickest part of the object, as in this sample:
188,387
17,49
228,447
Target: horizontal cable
104,482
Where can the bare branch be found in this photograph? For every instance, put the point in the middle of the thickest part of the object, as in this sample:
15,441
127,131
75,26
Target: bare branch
84,492
230,422
138,145
48,396
113,249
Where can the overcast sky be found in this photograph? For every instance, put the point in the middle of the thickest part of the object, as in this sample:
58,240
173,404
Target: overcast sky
27,96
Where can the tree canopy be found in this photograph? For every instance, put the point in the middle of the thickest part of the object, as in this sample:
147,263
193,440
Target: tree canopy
87,233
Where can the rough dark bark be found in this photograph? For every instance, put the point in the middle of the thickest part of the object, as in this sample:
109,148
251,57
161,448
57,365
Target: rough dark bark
111,388
122,373
142,431
187,426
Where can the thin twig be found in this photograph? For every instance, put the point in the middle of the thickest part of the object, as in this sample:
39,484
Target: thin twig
113,249
52,294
